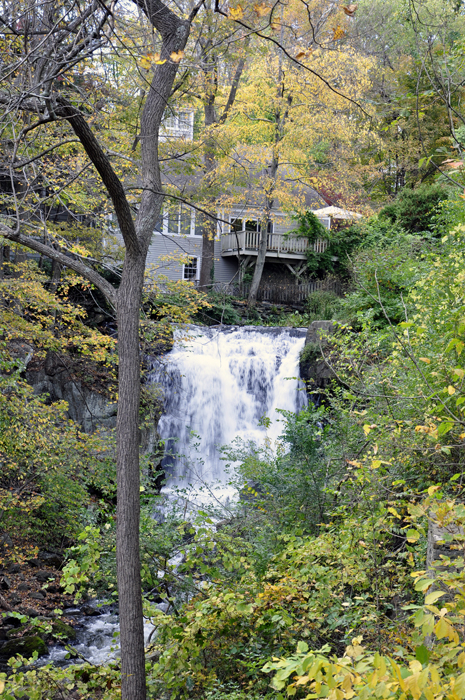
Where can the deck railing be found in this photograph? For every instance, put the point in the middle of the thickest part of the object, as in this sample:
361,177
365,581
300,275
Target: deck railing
246,242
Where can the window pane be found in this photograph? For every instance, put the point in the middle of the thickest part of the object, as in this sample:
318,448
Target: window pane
172,218
190,269
236,225
185,220
252,225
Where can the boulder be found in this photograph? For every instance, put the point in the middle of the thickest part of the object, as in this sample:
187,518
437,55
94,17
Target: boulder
63,630
313,368
25,646
43,575
51,559
89,611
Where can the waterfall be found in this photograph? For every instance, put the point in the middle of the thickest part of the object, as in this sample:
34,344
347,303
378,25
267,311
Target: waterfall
219,383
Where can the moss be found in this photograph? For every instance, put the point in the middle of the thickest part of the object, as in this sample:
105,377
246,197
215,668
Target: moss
310,354
64,630
58,629
25,646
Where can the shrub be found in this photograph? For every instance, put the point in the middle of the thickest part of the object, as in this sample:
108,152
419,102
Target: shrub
413,209
322,306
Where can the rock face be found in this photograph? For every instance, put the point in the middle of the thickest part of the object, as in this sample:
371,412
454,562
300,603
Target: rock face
313,368
88,408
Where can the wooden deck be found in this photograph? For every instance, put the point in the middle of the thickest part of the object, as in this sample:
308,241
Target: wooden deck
245,243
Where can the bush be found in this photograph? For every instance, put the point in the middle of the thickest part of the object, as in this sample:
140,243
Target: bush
220,310
334,260
413,209
382,278
323,306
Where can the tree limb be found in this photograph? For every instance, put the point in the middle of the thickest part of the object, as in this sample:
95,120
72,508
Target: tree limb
75,264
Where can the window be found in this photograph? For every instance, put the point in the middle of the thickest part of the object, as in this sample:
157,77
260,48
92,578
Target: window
238,225
180,125
189,273
178,219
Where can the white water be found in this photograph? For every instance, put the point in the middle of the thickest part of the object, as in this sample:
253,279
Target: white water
219,383
98,640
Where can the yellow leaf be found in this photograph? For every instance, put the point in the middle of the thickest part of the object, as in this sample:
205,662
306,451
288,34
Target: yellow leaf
177,56
450,389
261,9
2,686
350,10
146,62
236,12
441,629
425,359
338,33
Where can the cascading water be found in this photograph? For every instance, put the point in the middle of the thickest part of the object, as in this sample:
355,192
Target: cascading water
219,383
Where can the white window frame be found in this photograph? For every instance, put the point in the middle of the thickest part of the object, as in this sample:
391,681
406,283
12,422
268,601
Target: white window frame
165,224
197,270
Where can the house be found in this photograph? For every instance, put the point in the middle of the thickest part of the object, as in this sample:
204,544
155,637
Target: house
176,248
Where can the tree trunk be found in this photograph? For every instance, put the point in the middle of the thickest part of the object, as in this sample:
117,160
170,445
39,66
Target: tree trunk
128,480
259,265
210,163
209,159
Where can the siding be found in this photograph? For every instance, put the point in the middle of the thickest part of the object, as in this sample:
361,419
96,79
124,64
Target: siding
166,254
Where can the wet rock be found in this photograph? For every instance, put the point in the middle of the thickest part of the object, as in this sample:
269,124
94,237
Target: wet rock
15,599
23,587
313,368
14,569
90,611
44,575
5,583
30,611
34,562
63,630
25,646
37,596
11,621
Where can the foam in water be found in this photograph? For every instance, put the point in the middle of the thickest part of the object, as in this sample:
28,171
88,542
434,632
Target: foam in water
219,383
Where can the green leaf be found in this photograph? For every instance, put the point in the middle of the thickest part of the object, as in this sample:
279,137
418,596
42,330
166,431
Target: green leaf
433,597
423,583
422,654
412,535
444,428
